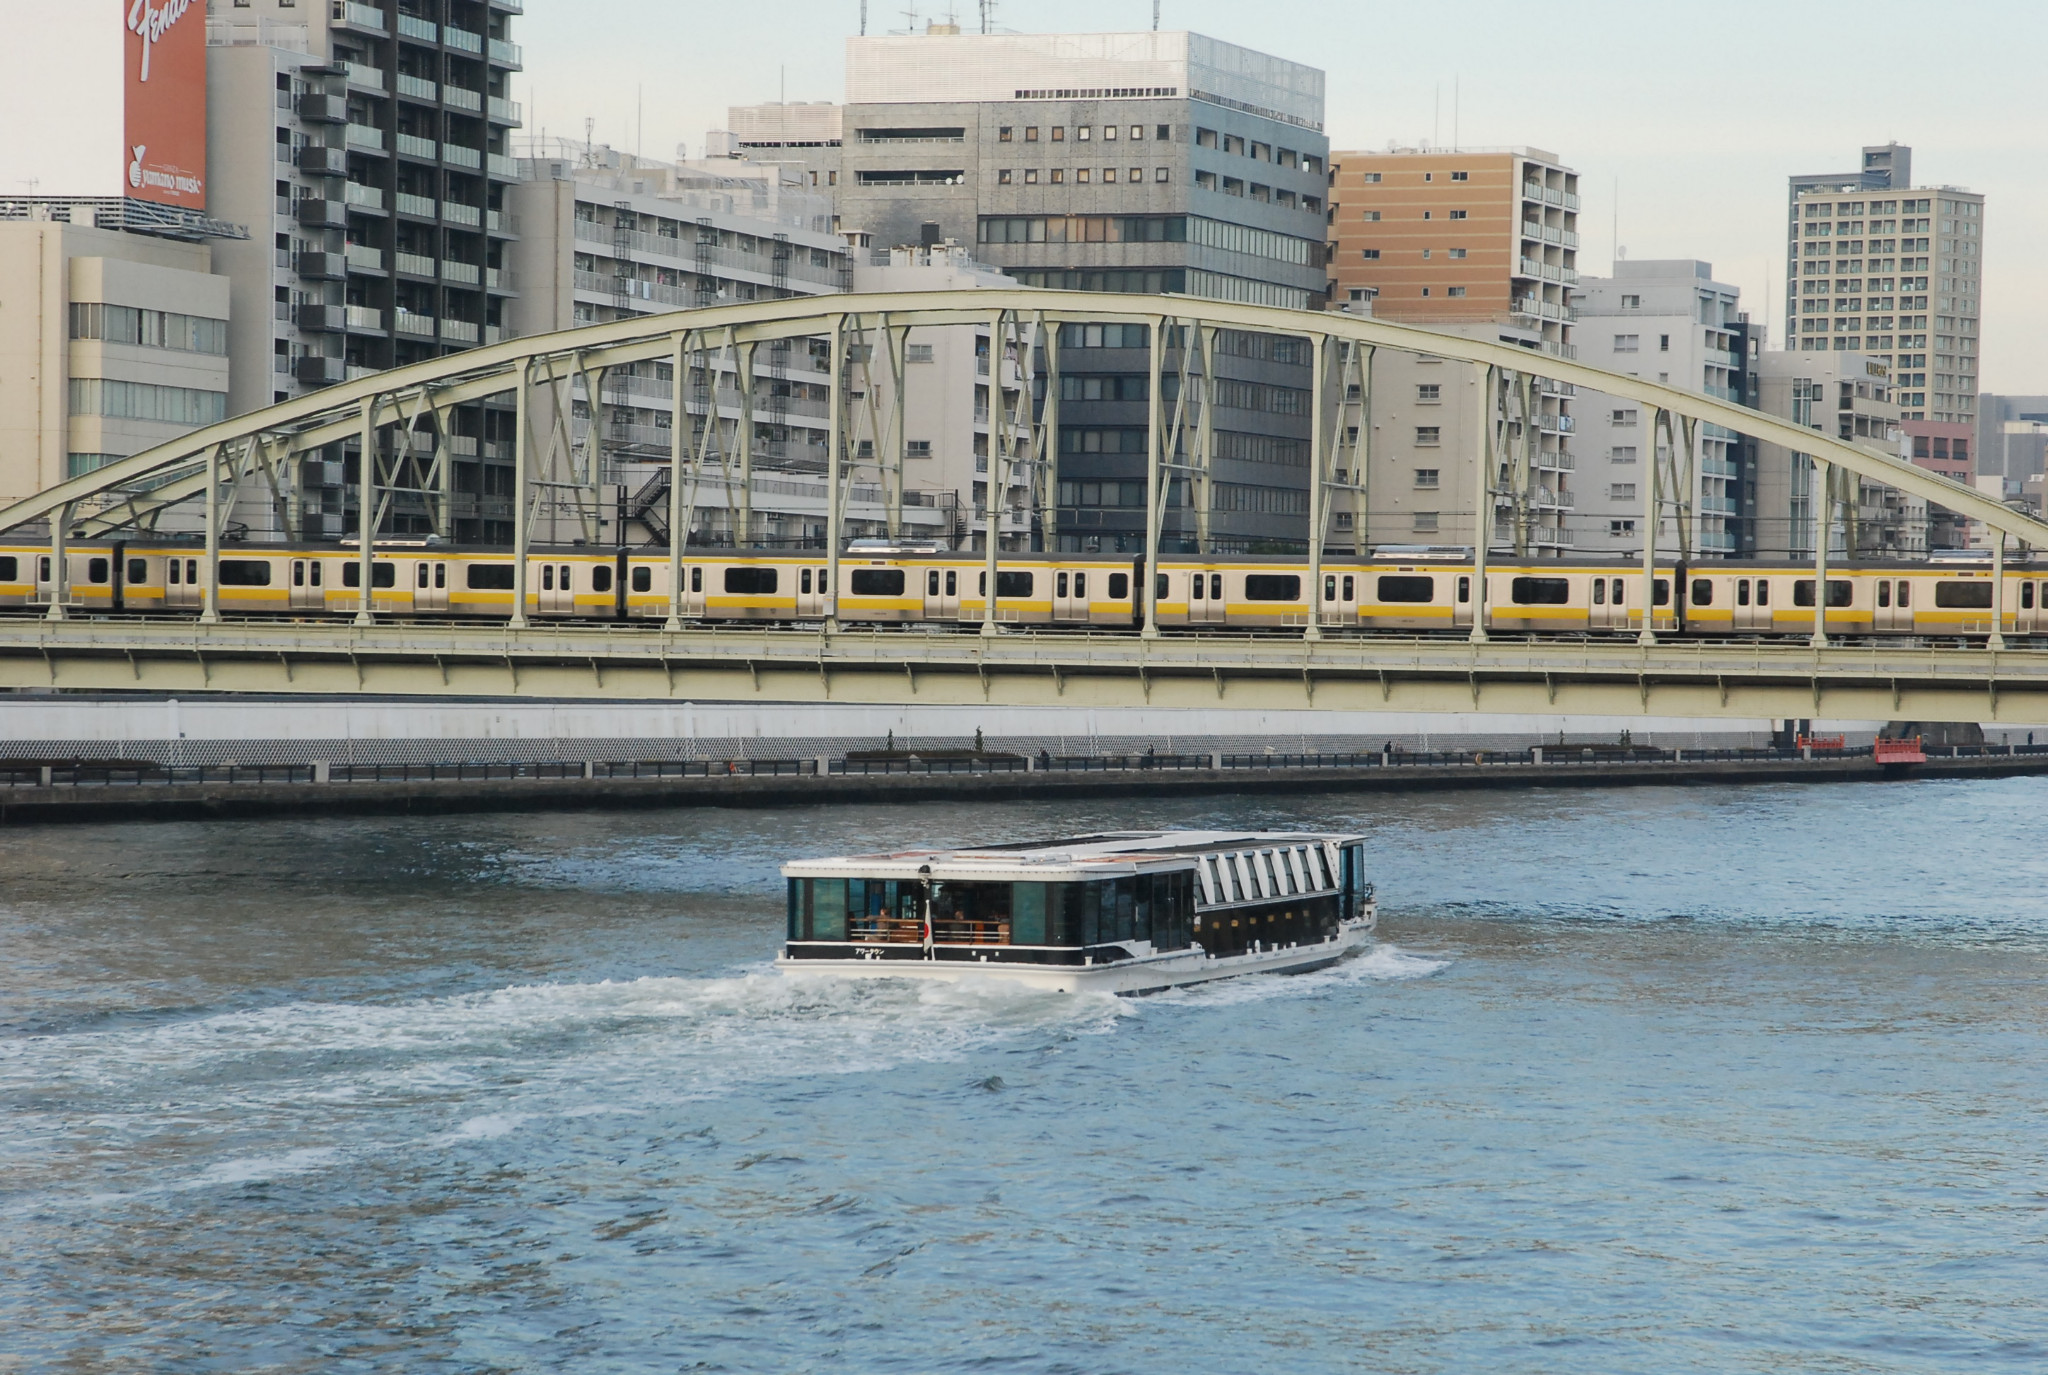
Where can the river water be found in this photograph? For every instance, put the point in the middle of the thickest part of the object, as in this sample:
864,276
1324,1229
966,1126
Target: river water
1641,1080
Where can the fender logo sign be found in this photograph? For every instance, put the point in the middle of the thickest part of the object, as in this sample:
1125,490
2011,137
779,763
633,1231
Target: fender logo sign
151,24
164,153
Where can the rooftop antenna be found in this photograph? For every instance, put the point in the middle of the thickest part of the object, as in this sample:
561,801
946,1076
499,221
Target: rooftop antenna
988,15
1457,105
863,18
1155,29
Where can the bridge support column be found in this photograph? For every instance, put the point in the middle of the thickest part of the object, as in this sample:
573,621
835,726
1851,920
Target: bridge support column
1482,534
678,445
210,611
522,488
60,564
1651,512
1997,640
1319,447
366,513
1155,466
1823,532
835,474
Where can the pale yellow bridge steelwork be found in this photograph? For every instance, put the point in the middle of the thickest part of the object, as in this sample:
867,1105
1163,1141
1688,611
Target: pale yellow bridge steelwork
394,414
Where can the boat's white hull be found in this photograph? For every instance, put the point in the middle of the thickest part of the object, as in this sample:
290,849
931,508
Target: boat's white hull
1146,974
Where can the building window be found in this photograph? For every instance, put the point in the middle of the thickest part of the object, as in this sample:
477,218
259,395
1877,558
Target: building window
1163,134
1058,176
1425,253
1457,252
1109,133
1428,436
1631,303
1622,453
1429,478
1205,181
1458,214
1108,176
1461,176
1370,178
1162,174
1137,174
1372,216
1627,343
1621,491
1428,214
1059,133
1085,132
1005,134
1371,255
1031,176
918,448
1623,419
1455,291
1031,133
1425,291
1621,527
1663,343
1429,393
1424,523
1080,175
1003,177
1205,138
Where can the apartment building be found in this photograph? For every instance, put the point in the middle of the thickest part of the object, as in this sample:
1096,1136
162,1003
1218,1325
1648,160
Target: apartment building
111,341
1880,267
1668,322
1850,397
363,144
1435,237
2011,438
1125,162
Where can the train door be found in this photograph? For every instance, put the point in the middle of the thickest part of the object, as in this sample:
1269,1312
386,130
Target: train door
810,592
306,591
181,582
1070,596
1750,610
1459,586
1206,602
557,588
1892,605
2025,599
430,585
1607,602
1340,599
941,594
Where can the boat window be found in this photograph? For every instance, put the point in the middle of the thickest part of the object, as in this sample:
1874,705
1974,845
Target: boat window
1270,880
1354,881
1702,591
962,913
1292,870
1027,914
817,909
1397,590
1884,592
1599,591
1234,864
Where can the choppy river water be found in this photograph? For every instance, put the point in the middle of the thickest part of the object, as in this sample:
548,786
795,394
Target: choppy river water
1642,1080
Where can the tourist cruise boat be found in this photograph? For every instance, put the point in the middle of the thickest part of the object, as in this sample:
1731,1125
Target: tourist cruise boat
1121,912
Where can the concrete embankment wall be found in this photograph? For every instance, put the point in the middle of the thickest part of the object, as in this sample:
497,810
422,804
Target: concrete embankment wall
23,805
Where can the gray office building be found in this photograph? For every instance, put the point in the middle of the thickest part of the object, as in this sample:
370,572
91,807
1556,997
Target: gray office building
1127,162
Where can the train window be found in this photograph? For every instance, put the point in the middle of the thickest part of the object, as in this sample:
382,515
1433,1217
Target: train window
1763,592
804,583
1119,586
1350,587
1060,585
1661,593
1215,587
174,568
1958,596
1702,591
316,572
547,577
98,570
878,582
1620,592
931,583
600,579
1464,590
252,573
424,572
1540,591
1080,584
1884,592
1742,591
1329,587
643,578
952,583
1393,589
488,577
383,574
43,569
1599,591
696,579
750,582
1196,582
1159,586
441,575
1905,593
138,571
1272,587
1013,586
2026,596
10,569
191,571
1840,592
298,572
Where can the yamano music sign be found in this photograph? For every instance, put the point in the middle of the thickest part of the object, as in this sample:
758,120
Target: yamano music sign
165,150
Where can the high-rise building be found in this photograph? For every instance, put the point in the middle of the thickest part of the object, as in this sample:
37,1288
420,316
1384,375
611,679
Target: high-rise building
1877,266
363,144
1668,322
1846,396
1123,162
1435,237
111,342
2012,438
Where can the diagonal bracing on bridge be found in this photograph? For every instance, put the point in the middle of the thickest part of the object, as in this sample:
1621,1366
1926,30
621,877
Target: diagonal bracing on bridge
394,413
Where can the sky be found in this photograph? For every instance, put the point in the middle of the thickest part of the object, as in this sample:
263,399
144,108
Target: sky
1682,120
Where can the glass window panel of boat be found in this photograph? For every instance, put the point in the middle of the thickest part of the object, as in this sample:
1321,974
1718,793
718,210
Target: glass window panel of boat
1239,882
1027,914
1126,899
828,909
967,910
1273,888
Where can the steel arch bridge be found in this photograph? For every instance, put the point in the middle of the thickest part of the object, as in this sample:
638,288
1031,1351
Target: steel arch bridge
399,419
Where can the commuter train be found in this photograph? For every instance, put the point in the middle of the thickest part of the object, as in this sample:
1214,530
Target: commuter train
1407,589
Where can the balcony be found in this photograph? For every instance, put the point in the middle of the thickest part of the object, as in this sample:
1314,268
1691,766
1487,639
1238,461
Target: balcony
504,168
505,111
507,54
413,146
462,98
455,155
322,266
455,212
414,27
366,136
361,197
462,40
362,258
366,319
499,279
321,214
459,331
418,88
322,319
421,206
317,161
415,264
355,16
415,326
364,77
315,371
462,274
323,109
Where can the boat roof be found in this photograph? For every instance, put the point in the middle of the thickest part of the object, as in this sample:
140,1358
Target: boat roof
1108,854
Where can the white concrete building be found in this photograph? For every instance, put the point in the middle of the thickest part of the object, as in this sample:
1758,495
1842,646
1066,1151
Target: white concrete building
1668,322
111,342
1847,396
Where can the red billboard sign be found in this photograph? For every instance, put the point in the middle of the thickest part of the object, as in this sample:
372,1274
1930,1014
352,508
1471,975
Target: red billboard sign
165,151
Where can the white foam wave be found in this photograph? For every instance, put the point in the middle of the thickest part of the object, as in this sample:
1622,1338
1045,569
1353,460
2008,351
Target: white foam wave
1382,963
